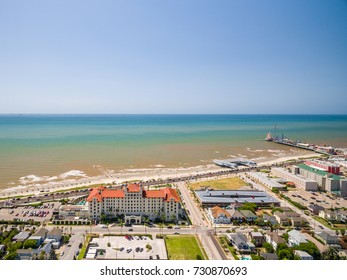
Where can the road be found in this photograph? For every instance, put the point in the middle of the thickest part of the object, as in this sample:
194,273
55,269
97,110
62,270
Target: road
201,226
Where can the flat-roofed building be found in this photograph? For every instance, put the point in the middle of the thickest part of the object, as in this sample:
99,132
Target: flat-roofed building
263,179
232,197
299,181
327,181
327,166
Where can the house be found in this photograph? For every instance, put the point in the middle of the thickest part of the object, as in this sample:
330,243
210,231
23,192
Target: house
55,234
327,238
327,214
291,215
240,243
249,215
281,218
274,239
303,255
286,209
270,219
269,256
236,216
257,238
295,238
22,236
298,222
315,208
219,215
43,252
39,236
341,215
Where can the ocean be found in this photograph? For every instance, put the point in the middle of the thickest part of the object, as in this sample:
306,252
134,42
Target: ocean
50,147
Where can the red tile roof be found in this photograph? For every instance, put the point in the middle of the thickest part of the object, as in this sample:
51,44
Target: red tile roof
95,194
112,194
101,192
154,194
171,194
133,188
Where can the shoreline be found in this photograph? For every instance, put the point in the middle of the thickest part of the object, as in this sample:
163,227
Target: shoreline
143,174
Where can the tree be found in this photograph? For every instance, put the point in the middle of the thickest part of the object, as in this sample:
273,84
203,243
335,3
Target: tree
343,232
29,244
249,206
11,256
268,247
286,254
121,224
309,248
330,254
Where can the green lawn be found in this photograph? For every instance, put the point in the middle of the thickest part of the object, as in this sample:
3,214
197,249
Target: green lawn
233,183
331,226
183,247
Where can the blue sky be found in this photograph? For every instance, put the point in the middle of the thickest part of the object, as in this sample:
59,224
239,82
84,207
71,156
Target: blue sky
173,56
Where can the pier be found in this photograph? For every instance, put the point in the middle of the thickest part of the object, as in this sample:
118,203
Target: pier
325,150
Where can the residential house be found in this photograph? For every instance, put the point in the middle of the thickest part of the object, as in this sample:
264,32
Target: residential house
327,238
295,238
236,216
43,252
269,256
327,214
341,215
39,236
281,218
257,238
274,239
303,255
240,243
219,215
271,219
291,215
22,236
249,215
315,208
298,222
286,209
55,234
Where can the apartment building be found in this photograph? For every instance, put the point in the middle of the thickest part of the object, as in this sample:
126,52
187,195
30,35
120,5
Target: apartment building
299,181
326,166
135,203
327,181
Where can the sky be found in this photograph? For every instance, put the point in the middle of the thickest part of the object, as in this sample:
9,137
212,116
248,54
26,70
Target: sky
174,57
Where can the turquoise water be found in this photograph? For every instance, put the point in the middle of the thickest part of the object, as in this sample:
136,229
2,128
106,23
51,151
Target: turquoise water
47,145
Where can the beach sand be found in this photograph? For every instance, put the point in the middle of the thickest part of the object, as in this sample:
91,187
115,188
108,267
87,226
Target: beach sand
79,179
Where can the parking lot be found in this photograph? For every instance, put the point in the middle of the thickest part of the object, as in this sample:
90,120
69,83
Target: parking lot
130,247
325,200
24,213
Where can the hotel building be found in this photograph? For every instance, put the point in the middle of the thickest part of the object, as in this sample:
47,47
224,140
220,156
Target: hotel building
135,203
327,181
324,166
299,181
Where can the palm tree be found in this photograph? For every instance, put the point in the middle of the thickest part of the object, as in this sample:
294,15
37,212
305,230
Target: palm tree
121,224
145,223
330,254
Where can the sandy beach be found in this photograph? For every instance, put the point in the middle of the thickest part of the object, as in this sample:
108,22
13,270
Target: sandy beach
75,178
